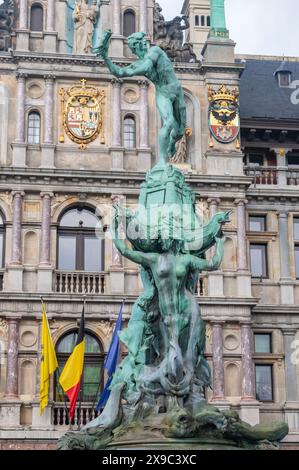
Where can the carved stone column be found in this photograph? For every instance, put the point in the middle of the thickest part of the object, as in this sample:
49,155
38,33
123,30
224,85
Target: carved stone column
48,147
116,17
50,15
218,365
215,278
22,33
144,141
286,284
45,258
20,111
50,35
16,242
243,274
248,382
117,152
241,235
11,390
143,16
117,40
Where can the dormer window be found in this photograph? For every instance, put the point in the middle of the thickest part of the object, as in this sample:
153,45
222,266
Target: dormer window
283,75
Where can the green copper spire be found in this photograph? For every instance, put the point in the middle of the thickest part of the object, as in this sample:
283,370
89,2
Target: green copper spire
218,24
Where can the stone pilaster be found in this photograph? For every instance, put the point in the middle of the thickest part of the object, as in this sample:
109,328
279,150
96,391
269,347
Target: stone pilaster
144,151
143,16
23,31
50,35
215,278
282,166
243,275
249,411
117,274
19,146
15,268
117,152
48,147
218,366
286,284
11,390
44,277
117,45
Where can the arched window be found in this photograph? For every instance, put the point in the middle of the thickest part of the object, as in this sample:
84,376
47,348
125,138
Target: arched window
33,132
36,17
129,26
80,241
196,20
2,244
129,132
208,21
202,20
93,365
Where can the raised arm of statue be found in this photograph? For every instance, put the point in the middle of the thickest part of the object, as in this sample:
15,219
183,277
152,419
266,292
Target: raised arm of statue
186,25
144,259
212,264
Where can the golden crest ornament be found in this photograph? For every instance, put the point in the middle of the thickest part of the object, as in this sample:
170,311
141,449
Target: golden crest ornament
224,117
82,109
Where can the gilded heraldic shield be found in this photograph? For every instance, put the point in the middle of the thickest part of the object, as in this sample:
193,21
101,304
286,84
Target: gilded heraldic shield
224,118
83,114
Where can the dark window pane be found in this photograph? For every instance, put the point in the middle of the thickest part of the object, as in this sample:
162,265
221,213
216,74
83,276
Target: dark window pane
1,220
196,20
67,252
254,159
129,132
202,20
262,343
67,343
284,78
36,18
297,261
1,250
34,128
258,260
91,380
208,21
296,228
293,160
79,218
257,223
129,23
263,377
92,254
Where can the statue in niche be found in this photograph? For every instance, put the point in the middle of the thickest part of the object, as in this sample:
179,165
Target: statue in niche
84,17
169,36
7,19
181,148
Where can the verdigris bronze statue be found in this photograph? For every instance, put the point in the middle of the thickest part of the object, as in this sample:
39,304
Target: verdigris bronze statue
158,391
154,64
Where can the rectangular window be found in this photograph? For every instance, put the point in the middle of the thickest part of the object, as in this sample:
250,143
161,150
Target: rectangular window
296,228
293,160
297,261
262,343
264,382
257,223
92,254
67,253
258,260
255,159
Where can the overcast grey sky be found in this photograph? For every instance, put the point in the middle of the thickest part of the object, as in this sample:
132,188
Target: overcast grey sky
269,27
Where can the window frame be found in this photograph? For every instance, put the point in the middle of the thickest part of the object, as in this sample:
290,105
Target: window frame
196,21
266,266
84,232
41,6
263,333
89,358
202,21
261,216
265,364
30,113
133,117
131,11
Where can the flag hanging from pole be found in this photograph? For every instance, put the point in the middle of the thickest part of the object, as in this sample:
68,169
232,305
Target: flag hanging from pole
48,363
111,360
71,376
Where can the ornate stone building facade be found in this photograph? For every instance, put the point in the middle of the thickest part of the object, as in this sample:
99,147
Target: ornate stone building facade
72,139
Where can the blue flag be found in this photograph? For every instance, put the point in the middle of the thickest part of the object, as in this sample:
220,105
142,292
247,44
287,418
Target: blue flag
111,360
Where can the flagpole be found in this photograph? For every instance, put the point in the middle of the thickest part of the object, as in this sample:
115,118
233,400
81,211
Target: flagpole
102,375
58,370
80,397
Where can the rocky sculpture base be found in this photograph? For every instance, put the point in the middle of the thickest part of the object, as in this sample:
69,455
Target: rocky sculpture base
208,429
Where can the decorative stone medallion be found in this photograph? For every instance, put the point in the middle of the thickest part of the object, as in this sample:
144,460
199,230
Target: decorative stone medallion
28,339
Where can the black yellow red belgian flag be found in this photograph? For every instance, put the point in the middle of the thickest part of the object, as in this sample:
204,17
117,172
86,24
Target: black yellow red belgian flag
71,376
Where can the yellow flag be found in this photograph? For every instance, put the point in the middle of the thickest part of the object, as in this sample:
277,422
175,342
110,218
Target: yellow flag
48,362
